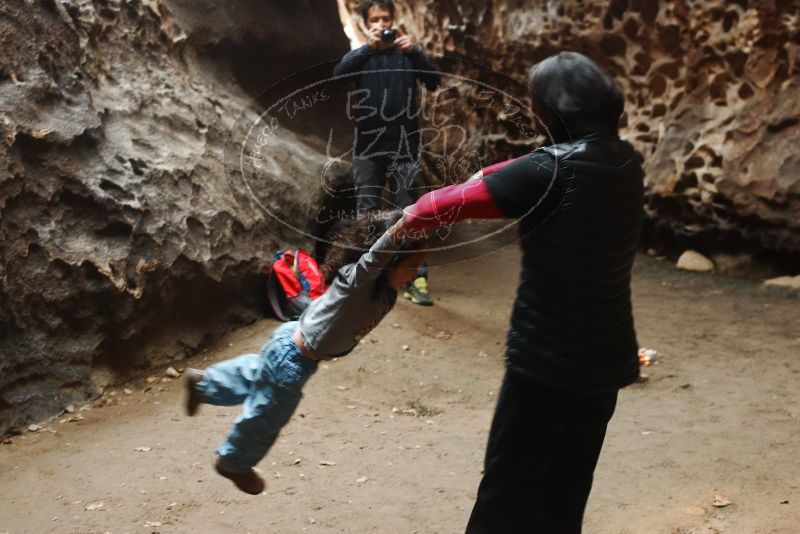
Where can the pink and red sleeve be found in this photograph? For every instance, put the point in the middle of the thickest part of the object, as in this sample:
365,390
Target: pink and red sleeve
470,200
496,167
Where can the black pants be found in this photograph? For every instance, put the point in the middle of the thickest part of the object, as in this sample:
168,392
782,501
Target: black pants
373,173
543,448
403,178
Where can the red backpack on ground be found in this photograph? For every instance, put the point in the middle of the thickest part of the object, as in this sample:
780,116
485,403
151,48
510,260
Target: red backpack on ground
294,281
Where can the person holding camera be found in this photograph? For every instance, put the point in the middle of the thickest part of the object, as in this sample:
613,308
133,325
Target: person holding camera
384,106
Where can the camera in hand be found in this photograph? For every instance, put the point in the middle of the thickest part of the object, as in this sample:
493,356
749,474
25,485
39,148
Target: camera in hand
388,36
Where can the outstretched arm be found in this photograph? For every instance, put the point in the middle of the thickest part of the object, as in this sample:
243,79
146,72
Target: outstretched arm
494,167
374,261
445,206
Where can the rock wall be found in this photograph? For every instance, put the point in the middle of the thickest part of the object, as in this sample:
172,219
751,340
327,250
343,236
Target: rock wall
129,236
712,91
125,238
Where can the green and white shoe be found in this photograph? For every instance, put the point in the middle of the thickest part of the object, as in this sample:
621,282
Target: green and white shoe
417,292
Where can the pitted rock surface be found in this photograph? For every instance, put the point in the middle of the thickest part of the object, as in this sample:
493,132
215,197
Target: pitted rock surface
125,240
713,97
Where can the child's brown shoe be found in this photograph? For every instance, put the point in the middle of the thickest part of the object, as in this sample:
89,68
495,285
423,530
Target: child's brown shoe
248,482
193,376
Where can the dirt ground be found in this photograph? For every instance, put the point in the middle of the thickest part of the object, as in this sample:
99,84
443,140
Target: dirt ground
391,438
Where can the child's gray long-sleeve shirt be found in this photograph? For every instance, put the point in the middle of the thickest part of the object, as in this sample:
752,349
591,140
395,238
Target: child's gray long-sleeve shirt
333,324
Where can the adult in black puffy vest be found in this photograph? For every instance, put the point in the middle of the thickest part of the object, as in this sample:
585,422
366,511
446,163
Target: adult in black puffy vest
571,345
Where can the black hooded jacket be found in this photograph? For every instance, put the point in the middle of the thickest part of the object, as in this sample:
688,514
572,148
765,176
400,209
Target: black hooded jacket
384,106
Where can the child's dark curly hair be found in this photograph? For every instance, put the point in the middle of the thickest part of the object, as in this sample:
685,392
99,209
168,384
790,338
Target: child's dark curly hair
351,237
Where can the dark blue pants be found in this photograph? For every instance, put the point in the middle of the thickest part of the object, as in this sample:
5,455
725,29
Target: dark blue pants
540,459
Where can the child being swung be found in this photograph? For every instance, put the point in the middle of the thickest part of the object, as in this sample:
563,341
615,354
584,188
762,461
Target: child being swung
362,290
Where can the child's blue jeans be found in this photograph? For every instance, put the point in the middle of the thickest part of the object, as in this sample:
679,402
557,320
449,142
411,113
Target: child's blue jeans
268,385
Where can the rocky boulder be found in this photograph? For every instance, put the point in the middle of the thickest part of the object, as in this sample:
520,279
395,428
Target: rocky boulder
127,236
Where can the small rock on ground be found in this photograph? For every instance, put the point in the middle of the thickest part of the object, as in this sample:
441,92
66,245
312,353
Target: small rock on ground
692,260
172,373
789,282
